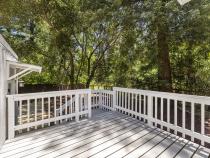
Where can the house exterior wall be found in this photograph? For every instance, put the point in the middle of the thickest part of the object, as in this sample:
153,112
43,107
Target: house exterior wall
8,85
3,91
6,54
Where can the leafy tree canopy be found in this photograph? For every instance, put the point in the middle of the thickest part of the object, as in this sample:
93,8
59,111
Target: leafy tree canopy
154,44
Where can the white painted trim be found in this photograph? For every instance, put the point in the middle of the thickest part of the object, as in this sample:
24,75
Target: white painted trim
7,46
14,100
176,96
21,65
49,94
18,74
201,100
21,76
45,121
3,92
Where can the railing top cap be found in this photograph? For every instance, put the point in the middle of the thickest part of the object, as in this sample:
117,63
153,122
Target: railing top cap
51,93
164,94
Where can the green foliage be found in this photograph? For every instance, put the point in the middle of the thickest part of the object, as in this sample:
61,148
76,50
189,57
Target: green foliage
111,42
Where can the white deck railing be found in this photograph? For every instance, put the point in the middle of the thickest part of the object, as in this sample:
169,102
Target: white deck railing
178,113
181,114
31,111
103,99
95,98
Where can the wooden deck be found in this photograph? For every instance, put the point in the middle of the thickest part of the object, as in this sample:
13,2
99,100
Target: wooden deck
106,134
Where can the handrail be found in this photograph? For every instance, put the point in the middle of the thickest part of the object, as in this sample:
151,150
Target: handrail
160,109
52,93
176,95
155,108
37,110
103,99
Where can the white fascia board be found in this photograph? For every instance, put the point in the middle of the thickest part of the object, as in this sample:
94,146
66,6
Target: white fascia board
25,69
7,46
20,65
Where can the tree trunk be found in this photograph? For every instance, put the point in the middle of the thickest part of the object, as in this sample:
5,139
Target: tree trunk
71,76
91,76
164,68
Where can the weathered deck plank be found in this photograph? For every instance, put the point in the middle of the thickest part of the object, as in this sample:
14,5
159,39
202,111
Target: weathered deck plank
188,150
65,137
59,131
115,146
141,150
156,151
107,134
202,153
172,150
99,145
84,139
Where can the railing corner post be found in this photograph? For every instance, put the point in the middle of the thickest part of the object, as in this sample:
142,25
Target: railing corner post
11,117
89,104
100,98
77,107
150,108
114,99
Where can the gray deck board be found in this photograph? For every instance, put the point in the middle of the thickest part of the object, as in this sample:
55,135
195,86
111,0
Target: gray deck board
201,153
71,137
141,150
172,150
115,146
82,140
58,133
188,150
106,134
157,150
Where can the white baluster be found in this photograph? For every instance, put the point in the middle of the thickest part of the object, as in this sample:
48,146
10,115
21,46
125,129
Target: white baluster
144,106
11,117
71,106
49,110
61,113
114,100
168,113
123,104
35,103
55,108
192,119
136,104
175,114
28,112
42,110
183,116
150,109
202,121
66,104
156,102
140,105
89,104
77,107
120,100
20,114
161,100
117,98
131,102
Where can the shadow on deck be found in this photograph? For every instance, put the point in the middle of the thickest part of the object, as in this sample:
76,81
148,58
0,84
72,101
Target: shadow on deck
106,134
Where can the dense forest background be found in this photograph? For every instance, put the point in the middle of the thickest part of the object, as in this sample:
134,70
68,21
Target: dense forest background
147,44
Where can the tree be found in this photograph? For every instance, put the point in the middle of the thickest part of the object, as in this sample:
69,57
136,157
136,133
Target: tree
156,45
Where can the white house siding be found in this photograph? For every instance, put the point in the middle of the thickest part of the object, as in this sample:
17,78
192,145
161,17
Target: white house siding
2,97
6,54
